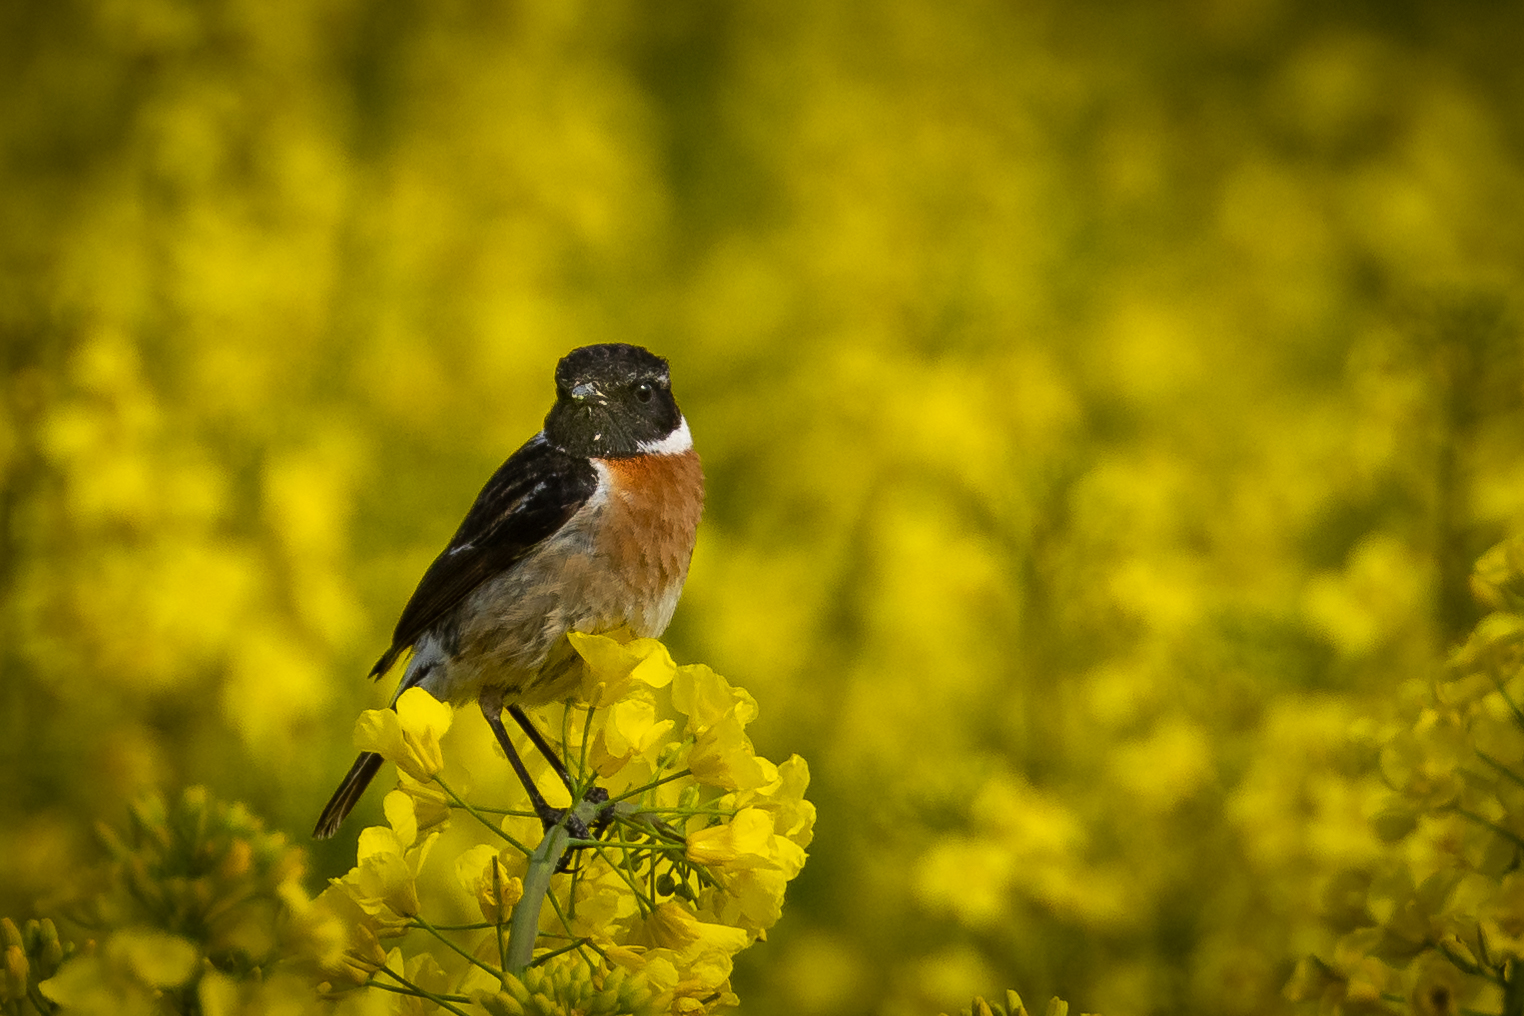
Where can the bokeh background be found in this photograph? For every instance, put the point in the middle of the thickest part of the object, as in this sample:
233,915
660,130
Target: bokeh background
1102,405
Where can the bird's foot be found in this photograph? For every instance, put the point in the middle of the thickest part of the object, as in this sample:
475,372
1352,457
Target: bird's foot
587,821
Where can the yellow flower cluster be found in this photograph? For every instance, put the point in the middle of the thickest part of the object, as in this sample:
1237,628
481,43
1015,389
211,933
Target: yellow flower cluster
1436,922
1013,1006
702,837
563,986
31,954
199,910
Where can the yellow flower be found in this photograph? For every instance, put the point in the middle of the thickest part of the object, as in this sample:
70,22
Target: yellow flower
753,864
746,841
1502,918
13,978
383,882
408,735
484,876
431,806
682,952
688,984
132,968
313,929
783,796
753,898
157,958
723,757
424,971
1368,982
707,699
968,876
1439,989
602,908
1498,576
362,954
275,991
89,984
630,728
675,927
398,808
613,668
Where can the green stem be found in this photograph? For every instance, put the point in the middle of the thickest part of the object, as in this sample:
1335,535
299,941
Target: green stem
1500,767
587,735
653,847
478,926
637,791
460,802
1513,990
39,1000
1505,833
497,896
578,944
415,990
1503,691
426,926
524,926
645,904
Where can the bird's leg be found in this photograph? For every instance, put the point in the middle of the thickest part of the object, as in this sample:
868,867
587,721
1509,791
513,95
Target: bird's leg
491,703
492,708
522,719
594,795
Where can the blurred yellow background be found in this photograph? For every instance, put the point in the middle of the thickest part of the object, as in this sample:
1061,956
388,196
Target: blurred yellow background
1102,405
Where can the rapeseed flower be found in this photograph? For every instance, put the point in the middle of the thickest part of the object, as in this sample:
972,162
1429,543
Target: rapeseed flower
384,881
631,728
700,844
31,953
723,757
706,698
1438,919
199,907
408,735
746,841
564,986
1025,844
431,805
614,661
16,968
483,874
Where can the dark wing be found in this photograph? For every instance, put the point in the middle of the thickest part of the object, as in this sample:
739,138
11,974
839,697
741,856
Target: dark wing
531,496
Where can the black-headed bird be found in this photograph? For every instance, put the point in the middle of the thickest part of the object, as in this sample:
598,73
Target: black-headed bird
588,527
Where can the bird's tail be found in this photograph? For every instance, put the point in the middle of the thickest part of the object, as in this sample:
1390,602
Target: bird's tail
343,801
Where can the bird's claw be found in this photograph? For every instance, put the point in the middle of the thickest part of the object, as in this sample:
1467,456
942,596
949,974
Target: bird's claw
576,825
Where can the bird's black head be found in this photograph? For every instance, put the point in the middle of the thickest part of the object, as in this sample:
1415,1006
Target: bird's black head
612,401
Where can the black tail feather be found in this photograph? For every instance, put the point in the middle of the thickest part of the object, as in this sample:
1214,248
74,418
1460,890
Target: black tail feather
344,799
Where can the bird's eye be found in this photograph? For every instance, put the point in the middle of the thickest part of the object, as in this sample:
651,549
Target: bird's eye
643,391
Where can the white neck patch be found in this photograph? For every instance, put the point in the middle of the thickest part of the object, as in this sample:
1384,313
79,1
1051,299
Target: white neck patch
675,443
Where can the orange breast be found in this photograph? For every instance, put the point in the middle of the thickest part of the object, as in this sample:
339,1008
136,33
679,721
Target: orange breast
652,519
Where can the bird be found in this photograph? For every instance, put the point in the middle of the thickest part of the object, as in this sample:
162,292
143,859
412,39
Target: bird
588,527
